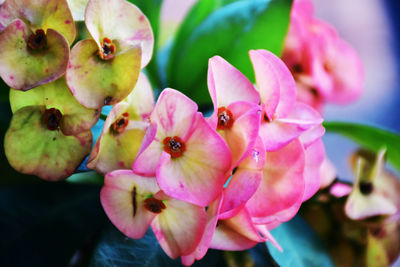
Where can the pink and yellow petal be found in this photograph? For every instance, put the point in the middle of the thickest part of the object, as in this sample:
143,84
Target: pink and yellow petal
40,14
149,155
95,82
77,8
282,185
120,20
174,114
179,227
122,198
24,69
32,148
227,85
201,168
76,118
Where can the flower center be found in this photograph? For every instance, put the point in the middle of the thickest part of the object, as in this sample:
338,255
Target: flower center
366,188
107,49
52,118
37,40
120,124
174,146
154,205
225,118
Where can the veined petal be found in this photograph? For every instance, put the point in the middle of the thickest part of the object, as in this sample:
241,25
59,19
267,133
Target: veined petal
40,14
174,114
23,69
237,233
76,118
122,198
282,185
120,20
95,82
32,148
199,174
267,82
227,85
179,227
287,92
212,219
303,115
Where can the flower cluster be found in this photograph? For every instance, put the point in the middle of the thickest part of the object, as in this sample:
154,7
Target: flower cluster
326,68
57,94
219,182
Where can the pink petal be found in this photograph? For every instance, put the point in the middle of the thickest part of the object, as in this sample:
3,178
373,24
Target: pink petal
287,95
227,85
179,228
242,136
122,197
212,219
303,115
315,154
241,187
174,114
237,233
267,82
199,174
122,21
149,154
340,190
282,185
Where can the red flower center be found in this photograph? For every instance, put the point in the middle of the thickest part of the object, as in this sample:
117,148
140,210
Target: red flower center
225,118
154,205
120,124
52,118
107,49
38,40
174,146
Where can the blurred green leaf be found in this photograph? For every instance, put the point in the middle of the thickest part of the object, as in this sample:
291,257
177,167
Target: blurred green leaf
47,224
152,9
301,245
229,31
90,177
369,137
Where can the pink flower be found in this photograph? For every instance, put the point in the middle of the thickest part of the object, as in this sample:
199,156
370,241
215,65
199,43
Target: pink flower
189,159
325,67
283,119
236,112
133,203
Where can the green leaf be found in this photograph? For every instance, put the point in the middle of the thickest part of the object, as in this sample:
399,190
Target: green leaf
152,9
369,137
230,31
90,177
301,246
48,224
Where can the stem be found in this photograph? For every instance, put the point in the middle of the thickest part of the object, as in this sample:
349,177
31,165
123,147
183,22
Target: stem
103,116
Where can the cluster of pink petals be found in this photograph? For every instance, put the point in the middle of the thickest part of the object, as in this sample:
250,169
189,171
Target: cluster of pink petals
224,181
326,68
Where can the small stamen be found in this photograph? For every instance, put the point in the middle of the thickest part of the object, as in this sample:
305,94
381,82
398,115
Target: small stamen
134,203
38,40
107,49
297,68
120,124
366,188
154,205
225,118
52,118
174,146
